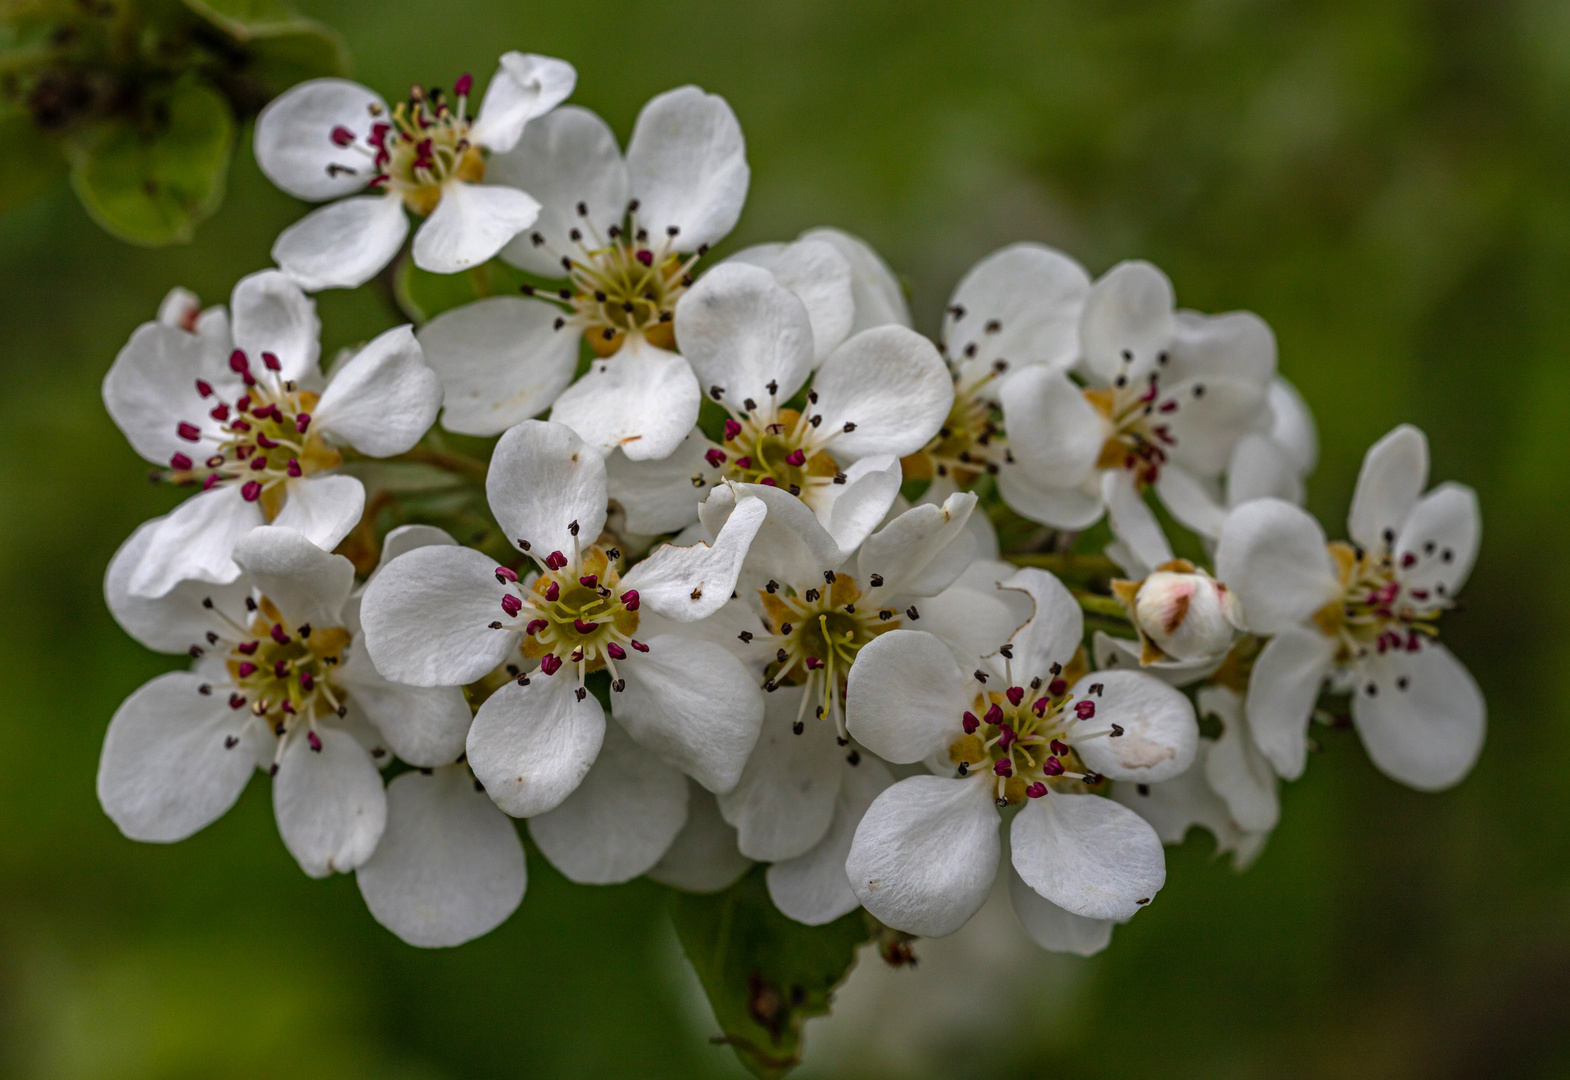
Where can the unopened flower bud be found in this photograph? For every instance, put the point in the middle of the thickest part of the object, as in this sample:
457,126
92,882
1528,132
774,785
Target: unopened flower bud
1188,615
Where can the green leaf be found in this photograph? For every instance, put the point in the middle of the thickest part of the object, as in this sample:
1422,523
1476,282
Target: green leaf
153,187
31,163
764,974
424,295
283,46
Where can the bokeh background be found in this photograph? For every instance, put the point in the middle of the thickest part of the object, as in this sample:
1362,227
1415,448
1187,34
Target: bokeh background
1385,182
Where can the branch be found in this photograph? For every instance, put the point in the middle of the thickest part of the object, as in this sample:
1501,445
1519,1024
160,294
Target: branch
447,460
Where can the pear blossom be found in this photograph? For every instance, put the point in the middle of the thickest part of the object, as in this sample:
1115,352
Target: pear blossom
1032,737
809,608
332,139
1169,394
240,408
1181,613
282,683
1362,616
625,234
878,396
605,804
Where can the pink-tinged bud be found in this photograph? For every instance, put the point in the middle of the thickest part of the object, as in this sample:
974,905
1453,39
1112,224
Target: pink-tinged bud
342,136
552,591
1085,709
180,462
616,651
1052,767
238,363
1036,790
506,574
270,361
1003,768
715,456
1057,687
535,626
732,429
1015,694
588,581
550,663
646,257
813,663
1006,737
302,422
994,714
584,627
248,647
293,468
768,481
1189,616
280,635
251,491
188,432
796,458
310,736
971,723
307,680
204,388
464,84
246,669
512,605
1058,747
640,646
629,599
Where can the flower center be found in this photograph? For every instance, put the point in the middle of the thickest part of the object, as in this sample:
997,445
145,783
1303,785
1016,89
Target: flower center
574,613
1139,415
1376,613
969,443
620,283
417,149
1022,739
263,438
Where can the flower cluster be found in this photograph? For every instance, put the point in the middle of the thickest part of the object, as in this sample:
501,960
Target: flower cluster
741,595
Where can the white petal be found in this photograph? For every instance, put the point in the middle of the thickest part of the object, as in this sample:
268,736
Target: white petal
694,704
271,314
1440,540
659,496
973,624
723,628
501,360
791,545
850,511
1212,415
180,309
450,866
565,158
166,769
820,277
913,551
905,696
406,538
878,296
740,329
1053,928
324,509
784,800
151,389
294,143
329,803
926,853
1055,630
194,542
177,620
1133,522
1054,432
344,244
1282,690
688,164
525,86
643,400
692,583
1026,491
1292,425
1237,345
892,384
1088,855
427,614
531,746
1261,469
1235,768
1129,309
1190,501
1423,725
812,888
470,225
1393,475
542,479
1021,305
1272,554
617,823
424,725
1175,807
382,401
703,858
1124,653
1160,735
307,584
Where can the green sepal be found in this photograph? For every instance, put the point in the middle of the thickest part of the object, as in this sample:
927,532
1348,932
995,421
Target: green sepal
152,182
764,974
32,161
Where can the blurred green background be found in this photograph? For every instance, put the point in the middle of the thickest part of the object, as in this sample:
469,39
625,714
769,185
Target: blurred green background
1384,182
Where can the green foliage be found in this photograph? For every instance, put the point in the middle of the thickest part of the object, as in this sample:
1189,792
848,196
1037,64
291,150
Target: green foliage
764,974
31,163
153,188
424,295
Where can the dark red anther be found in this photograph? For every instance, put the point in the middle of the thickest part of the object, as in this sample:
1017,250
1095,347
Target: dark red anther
1015,694
1057,687
378,135
813,663
265,443
251,491
204,388
588,581
288,707
180,462
219,412
715,456
971,723
210,483
768,481
796,457
1167,406
1058,747
307,680
555,560
248,647
535,626
616,651
259,462
246,669
1006,737
506,574
645,256
640,646
301,422
552,591
1039,706
238,363
270,361
1085,709
1052,767
585,627
550,663
1003,768
188,432
629,599
280,669
293,468
732,429
243,404
464,84
744,463
342,136
1036,790
310,736
236,701
280,635
994,714
511,604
